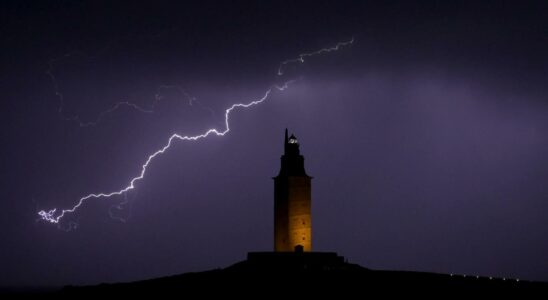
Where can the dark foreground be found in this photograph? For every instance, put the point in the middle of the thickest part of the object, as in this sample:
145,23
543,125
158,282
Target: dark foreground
289,274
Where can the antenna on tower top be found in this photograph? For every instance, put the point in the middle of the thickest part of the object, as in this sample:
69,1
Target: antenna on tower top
286,142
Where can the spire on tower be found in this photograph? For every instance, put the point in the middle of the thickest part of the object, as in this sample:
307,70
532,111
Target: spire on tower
286,141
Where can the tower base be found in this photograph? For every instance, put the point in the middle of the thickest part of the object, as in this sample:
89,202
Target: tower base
295,261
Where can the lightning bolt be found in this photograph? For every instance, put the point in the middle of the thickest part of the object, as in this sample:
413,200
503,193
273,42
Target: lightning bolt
158,97
300,58
76,118
53,216
119,208
50,215
116,106
191,99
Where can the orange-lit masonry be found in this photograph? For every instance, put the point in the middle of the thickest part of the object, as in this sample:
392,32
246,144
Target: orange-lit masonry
292,201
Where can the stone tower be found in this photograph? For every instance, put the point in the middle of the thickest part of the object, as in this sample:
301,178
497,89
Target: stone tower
292,201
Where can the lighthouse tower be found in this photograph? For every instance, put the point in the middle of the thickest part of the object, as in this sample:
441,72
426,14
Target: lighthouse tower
292,201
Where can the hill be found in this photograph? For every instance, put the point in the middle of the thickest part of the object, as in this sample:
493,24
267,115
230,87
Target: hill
269,273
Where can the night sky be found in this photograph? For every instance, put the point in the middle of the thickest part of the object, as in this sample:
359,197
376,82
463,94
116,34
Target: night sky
427,137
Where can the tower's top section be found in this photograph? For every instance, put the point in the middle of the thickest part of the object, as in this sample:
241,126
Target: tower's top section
292,160
291,145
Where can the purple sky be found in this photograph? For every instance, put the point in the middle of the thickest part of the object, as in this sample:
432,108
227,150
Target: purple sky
427,138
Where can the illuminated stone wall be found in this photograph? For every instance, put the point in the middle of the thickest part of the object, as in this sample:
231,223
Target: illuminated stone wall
292,213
